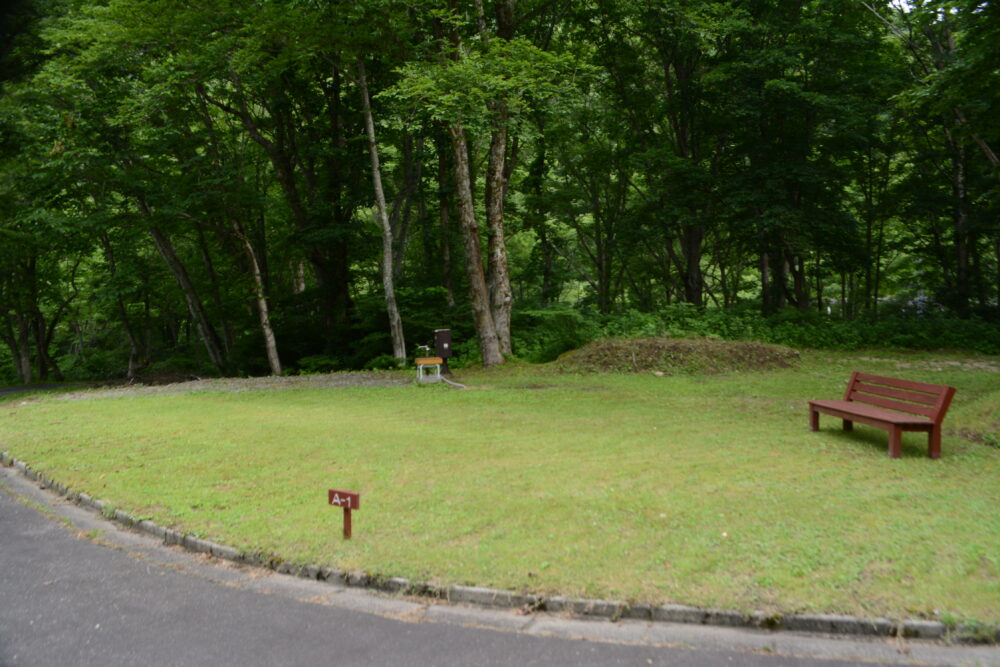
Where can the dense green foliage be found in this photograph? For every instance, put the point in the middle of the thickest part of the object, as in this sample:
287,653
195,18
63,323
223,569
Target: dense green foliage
192,188
543,335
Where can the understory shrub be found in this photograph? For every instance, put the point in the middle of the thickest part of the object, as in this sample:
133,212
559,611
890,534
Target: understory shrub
543,334
930,331
7,373
95,364
181,364
383,362
319,363
801,329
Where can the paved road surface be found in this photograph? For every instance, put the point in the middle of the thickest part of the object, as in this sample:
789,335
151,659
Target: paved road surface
76,590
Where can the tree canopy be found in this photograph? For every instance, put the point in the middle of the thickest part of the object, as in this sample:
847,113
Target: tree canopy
258,187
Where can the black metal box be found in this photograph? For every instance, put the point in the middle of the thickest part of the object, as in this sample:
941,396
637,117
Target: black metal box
442,343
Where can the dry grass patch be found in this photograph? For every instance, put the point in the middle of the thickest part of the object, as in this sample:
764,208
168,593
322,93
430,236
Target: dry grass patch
673,356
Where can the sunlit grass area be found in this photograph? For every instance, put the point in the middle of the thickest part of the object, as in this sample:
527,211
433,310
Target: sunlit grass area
706,490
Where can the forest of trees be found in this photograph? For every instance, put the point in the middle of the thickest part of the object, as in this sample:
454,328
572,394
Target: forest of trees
269,186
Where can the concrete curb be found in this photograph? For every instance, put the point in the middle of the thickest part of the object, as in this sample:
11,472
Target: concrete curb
499,599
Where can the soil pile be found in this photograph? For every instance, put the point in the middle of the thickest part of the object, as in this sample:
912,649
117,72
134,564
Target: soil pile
675,356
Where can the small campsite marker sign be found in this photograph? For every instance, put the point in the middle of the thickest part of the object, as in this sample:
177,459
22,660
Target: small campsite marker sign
349,501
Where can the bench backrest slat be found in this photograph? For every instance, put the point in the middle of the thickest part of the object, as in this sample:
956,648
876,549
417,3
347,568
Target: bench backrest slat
902,394
915,398
900,383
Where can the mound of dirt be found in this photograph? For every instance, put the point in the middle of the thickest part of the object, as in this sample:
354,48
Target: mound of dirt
676,356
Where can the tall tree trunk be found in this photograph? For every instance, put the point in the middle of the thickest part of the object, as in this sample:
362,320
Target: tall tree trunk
692,240
260,298
298,276
333,273
395,323
24,348
489,344
133,342
877,261
228,336
28,315
603,262
42,340
535,184
207,334
19,342
800,284
869,217
779,282
445,177
960,226
818,269
10,338
401,212
498,278
768,305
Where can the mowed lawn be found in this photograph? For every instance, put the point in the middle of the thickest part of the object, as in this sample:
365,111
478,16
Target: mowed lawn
704,490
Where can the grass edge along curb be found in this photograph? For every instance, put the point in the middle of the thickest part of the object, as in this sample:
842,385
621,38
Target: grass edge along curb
488,597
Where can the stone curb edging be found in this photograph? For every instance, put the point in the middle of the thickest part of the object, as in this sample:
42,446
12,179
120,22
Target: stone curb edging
488,597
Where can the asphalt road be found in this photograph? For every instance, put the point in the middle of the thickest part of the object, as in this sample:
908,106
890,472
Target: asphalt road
77,590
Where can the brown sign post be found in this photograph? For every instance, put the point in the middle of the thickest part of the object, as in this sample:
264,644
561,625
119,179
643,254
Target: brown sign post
349,501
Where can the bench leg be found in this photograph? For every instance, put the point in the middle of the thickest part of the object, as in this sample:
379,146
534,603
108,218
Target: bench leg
934,443
813,420
895,442
848,425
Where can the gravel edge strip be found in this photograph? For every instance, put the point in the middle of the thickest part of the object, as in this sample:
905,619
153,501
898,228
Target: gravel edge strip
499,599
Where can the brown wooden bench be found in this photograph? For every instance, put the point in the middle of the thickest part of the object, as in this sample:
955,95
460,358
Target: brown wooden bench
891,404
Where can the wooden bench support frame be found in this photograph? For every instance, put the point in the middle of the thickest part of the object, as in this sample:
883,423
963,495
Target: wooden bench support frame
892,405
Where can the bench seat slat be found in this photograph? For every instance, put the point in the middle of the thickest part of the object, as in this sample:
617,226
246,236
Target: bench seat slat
889,392
860,412
910,408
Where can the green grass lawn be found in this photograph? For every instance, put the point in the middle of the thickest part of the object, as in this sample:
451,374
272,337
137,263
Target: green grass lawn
704,490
